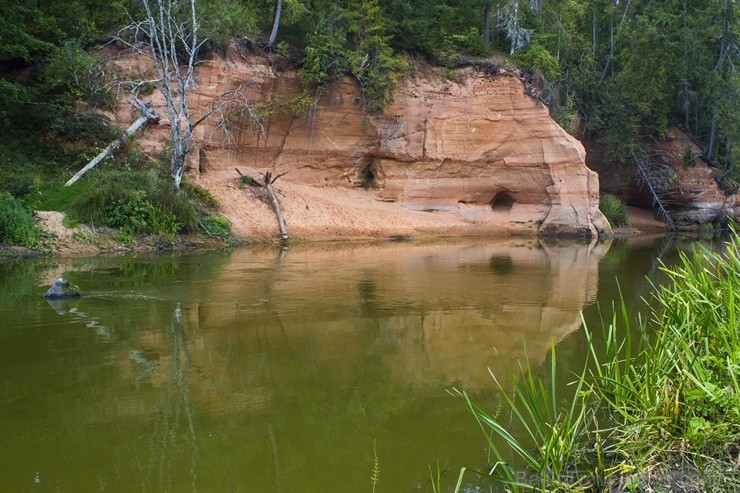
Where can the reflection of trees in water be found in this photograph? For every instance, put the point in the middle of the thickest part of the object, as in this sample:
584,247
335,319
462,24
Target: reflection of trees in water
174,430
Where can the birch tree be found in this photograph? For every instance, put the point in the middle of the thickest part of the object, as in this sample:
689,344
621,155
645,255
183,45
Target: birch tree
169,33
275,24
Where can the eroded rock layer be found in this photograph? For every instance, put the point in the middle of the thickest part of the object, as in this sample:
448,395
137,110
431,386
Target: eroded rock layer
694,195
479,150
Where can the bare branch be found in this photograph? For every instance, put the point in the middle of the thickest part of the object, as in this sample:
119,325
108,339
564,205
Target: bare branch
168,34
655,176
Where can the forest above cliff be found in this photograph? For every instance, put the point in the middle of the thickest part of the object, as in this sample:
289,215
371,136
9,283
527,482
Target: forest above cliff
614,72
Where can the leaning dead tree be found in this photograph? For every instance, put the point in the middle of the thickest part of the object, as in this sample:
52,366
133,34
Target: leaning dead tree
148,115
268,181
169,37
655,176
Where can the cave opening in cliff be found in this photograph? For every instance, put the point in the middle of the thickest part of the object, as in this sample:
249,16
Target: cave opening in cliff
369,176
502,202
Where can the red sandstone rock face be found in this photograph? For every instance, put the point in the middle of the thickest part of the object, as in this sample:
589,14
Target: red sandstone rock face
695,192
480,148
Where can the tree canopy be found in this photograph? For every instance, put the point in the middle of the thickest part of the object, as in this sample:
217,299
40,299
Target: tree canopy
624,69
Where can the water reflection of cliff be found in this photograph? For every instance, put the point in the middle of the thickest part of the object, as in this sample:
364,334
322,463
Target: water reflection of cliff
258,370
434,315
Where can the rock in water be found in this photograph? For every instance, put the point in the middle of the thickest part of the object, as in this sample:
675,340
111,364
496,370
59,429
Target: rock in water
62,289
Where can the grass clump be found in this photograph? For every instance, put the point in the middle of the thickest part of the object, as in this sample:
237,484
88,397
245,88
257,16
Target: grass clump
217,226
17,225
138,201
658,402
615,210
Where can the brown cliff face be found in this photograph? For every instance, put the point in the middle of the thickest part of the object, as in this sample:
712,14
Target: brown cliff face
693,197
477,156
694,191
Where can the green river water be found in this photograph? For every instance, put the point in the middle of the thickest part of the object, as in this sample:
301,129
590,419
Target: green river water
264,370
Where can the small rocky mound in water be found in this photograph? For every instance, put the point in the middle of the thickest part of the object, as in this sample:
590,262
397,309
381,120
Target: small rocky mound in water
62,289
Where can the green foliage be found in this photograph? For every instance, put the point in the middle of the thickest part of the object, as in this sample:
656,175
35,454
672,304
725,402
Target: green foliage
17,225
536,56
326,57
217,226
471,42
138,201
353,41
223,21
25,32
374,64
375,477
199,193
69,75
134,214
614,209
23,185
668,388
435,29
246,180
689,379
552,435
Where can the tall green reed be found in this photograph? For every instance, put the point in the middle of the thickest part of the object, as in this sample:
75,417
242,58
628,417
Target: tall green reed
549,444
654,391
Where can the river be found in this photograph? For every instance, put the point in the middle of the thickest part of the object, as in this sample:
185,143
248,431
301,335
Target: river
265,369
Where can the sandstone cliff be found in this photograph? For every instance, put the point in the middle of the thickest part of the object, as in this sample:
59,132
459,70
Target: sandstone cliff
694,193
693,197
476,156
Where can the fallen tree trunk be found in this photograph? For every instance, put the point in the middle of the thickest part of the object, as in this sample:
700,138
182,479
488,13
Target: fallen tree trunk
267,185
654,178
148,115
275,205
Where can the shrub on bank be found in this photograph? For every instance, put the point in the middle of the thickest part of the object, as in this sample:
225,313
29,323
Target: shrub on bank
138,202
615,210
17,225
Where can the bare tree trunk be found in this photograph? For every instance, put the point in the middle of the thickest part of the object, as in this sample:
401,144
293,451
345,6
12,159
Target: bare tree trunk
611,49
268,180
275,205
516,26
148,115
275,24
611,52
686,104
177,167
498,26
595,28
487,26
654,177
712,138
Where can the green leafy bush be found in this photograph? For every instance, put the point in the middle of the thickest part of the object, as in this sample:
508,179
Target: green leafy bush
615,210
536,56
69,75
471,41
137,201
135,214
20,185
202,194
353,42
217,226
17,225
